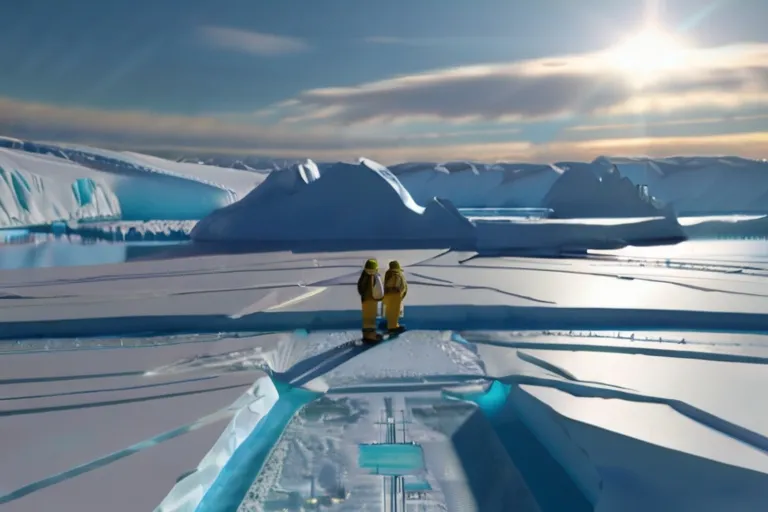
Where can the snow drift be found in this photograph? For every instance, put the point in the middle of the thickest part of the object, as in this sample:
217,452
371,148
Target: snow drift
345,203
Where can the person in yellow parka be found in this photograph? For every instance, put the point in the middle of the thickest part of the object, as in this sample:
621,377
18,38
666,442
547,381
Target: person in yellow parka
395,290
371,291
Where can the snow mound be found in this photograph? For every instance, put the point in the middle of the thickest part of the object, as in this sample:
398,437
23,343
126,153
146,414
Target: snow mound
344,203
65,192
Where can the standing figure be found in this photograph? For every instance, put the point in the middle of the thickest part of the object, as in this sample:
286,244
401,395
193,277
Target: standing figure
395,290
371,291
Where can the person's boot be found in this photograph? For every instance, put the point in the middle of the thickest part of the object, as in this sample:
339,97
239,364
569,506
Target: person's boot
371,336
397,330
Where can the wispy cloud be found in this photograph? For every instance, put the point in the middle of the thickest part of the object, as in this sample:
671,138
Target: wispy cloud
749,145
587,84
403,41
671,122
257,43
191,135
385,40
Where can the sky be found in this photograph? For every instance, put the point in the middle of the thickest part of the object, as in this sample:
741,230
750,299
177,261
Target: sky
485,80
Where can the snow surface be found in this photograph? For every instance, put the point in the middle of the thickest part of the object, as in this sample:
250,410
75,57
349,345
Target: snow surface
643,412
631,381
275,291
85,419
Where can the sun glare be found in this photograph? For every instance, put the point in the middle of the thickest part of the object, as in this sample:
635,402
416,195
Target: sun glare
648,55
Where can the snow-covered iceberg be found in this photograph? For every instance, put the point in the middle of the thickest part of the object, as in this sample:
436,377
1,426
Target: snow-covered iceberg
687,185
46,183
62,191
476,185
344,203
700,185
583,191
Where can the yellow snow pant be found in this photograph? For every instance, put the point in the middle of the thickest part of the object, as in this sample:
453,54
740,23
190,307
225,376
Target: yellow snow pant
393,302
370,311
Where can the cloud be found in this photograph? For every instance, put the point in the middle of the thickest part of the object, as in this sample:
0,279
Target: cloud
136,128
385,40
189,135
671,122
403,41
748,145
257,43
587,84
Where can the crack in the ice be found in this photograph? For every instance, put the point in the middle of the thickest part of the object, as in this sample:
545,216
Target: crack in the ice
561,372
725,427
105,390
631,350
113,457
610,276
106,403
553,418
60,378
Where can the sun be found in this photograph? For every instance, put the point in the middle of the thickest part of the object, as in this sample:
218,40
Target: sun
649,55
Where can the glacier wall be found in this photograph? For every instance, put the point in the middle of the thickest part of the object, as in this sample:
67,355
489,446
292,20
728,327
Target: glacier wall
28,199
42,184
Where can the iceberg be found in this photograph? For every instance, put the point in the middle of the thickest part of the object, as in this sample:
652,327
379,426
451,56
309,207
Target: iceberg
686,185
346,204
37,190
700,185
582,191
46,183
475,185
